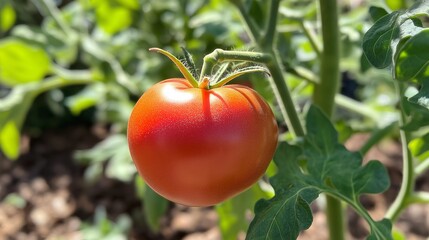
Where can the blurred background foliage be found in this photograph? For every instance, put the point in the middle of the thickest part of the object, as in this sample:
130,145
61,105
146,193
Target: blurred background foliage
65,62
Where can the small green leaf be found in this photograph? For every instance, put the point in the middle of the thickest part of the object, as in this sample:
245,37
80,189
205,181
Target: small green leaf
377,12
21,63
419,147
413,58
88,97
9,140
7,17
113,18
154,208
377,40
189,63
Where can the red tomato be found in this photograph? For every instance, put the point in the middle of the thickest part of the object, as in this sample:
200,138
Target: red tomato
198,147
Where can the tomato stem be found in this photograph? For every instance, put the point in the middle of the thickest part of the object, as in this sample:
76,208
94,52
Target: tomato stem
407,185
182,68
220,56
204,84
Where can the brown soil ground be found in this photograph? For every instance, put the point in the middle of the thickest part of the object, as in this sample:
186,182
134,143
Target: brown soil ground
58,200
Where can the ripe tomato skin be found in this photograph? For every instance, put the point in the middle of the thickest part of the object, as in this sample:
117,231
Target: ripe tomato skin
198,147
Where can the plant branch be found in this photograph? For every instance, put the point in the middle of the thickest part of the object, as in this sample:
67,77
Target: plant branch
283,96
376,137
312,37
270,28
419,197
48,8
251,28
324,96
407,185
357,107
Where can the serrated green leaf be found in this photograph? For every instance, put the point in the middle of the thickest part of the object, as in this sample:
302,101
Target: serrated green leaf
413,58
320,130
319,164
21,63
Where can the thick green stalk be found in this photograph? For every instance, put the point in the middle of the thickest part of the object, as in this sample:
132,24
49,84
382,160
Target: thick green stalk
324,96
325,91
407,185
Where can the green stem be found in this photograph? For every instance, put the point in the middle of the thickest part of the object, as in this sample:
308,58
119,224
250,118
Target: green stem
341,100
312,37
48,8
356,107
325,91
419,197
268,40
251,28
324,96
407,185
283,96
219,56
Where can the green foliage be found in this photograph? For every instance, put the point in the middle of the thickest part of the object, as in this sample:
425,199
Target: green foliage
21,63
399,39
7,16
154,207
319,164
103,228
115,149
235,212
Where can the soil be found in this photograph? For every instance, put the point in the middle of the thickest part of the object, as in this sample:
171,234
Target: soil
58,200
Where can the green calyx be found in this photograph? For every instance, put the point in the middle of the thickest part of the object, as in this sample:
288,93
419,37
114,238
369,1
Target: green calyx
218,68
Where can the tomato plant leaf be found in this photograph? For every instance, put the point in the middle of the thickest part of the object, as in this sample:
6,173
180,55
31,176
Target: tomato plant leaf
233,212
9,140
386,36
288,212
383,229
419,147
377,12
413,58
318,164
154,208
417,109
22,63
376,41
